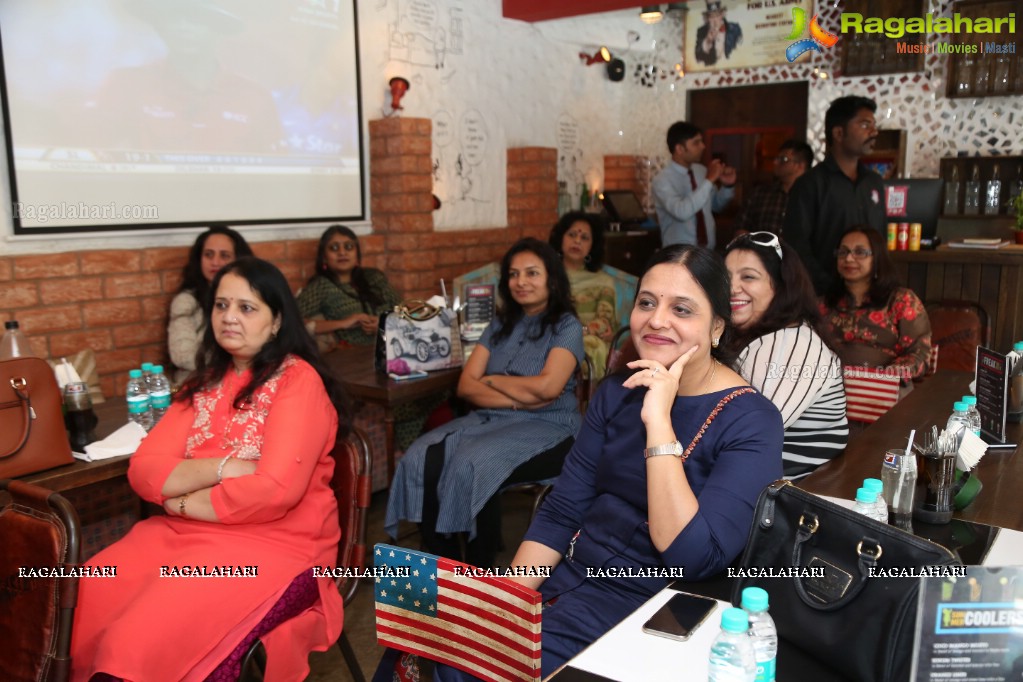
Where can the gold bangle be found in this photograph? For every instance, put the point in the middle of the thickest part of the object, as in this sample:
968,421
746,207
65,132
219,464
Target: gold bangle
181,504
220,469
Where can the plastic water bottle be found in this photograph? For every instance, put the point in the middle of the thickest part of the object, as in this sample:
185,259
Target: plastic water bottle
866,503
898,477
875,485
959,422
14,344
731,654
973,413
139,408
159,393
762,631
147,375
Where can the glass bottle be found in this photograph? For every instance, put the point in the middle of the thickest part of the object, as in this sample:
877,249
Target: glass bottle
1017,185
952,191
993,193
1000,74
982,76
964,74
971,201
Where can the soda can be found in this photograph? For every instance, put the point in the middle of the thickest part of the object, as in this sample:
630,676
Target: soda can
892,230
903,237
915,229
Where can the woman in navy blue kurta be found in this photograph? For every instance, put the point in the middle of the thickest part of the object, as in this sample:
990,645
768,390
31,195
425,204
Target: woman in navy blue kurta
622,500
521,376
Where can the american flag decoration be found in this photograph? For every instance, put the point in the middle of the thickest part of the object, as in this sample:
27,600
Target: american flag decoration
486,626
869,394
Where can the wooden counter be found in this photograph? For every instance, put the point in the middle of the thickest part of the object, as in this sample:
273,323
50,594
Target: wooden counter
991,278
998,504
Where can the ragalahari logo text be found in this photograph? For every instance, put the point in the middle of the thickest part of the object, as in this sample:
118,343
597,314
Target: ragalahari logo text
818,39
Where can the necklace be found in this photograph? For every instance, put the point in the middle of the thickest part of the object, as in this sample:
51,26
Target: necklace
713,371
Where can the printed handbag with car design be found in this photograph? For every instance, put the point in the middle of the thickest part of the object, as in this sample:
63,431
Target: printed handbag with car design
418,336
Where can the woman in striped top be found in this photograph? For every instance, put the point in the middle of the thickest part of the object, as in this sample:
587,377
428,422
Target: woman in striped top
774,312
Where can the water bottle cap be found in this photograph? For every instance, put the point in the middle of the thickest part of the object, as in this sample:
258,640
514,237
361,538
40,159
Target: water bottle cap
970,400
11,324
874,485
157,369
959,407
734,620
147,367
135,373
864,495
755,599
1018,346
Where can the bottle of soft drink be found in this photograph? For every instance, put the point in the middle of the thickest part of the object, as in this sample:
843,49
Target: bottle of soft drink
731,654
139,409
898,477
866,503
159,393
14,344
959,422
875,486
762,631
973,413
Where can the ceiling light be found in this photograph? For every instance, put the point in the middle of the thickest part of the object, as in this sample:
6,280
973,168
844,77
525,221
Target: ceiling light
651,14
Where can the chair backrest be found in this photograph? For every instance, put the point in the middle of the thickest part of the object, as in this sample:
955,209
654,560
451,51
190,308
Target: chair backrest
352,485
39,529
958,327
869,393
584,383
621,351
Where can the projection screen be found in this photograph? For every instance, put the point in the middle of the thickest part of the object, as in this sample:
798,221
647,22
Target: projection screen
127,114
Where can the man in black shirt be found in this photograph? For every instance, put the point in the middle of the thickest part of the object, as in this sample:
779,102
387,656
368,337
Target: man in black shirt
837,193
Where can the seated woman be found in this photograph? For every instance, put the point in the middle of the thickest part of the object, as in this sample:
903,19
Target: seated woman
348,297
579,238
867,317
212,250
774,311
521,378
242,465
709,445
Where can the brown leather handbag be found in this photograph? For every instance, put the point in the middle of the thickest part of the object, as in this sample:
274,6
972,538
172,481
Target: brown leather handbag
32,433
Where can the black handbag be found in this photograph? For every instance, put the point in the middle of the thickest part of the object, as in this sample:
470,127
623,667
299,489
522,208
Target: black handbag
825,602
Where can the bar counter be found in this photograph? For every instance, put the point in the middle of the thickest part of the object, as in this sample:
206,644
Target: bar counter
1001,471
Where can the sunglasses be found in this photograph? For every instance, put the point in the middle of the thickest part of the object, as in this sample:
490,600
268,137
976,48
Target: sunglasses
859,253
766,239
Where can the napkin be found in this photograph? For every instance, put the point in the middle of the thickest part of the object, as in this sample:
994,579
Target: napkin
66,374
123,441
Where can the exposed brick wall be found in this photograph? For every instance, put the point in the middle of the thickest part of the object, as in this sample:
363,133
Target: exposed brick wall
620,173
116,301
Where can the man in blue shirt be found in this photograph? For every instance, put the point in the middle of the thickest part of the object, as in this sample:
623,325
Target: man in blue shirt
686,191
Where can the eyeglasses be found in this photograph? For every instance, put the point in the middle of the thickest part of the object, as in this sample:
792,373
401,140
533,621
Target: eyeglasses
859,253
765,239
781,158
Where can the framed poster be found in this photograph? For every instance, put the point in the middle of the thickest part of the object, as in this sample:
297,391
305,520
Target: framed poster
733,34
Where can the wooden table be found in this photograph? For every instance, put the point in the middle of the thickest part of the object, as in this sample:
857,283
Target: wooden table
1001,471
112,415
355,370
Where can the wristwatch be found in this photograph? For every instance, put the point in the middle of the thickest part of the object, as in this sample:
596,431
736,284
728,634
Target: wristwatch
672,448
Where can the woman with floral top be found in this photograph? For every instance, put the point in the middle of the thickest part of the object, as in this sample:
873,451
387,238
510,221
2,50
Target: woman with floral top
867,317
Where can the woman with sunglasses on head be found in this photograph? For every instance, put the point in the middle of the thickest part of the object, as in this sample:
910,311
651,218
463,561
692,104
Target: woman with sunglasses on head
774,311
867,317
343,298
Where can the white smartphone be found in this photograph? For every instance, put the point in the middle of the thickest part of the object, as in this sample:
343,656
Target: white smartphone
680,616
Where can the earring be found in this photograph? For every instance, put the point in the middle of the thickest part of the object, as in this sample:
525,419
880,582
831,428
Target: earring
587,259
714,343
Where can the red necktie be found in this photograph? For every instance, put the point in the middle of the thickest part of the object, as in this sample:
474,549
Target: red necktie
701,222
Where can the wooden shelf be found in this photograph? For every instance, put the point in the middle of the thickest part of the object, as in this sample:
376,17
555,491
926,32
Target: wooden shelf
1010,169
985,74
871,54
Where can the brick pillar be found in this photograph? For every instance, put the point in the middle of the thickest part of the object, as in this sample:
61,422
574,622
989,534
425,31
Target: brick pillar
620,172
401,201
532,191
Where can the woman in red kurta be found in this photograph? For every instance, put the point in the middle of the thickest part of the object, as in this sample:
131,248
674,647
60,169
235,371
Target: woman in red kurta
241,464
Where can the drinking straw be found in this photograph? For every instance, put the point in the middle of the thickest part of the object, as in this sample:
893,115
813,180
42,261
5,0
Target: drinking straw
909,451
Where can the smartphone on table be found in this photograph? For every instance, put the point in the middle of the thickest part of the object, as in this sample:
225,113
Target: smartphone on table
680,616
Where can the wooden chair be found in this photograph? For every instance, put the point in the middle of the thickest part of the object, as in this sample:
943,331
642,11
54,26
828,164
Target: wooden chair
621,352
957,328
869,393
352,486
39,529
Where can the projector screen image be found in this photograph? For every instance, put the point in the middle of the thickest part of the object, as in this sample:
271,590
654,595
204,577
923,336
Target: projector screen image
147,113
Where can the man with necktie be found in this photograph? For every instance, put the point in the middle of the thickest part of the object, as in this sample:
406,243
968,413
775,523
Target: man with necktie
686,192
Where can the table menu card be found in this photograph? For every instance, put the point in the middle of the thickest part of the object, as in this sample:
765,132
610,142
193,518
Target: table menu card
968,627
992,393
479,306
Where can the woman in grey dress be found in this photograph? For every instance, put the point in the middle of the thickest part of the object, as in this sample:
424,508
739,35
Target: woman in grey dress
521,378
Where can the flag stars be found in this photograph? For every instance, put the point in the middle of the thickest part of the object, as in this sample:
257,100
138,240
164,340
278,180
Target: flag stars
425,591
391,554
417,603
383,593
394,583
401,597
378,552
415,573
422,560
408,586
408,557
378,580
431,607
433,576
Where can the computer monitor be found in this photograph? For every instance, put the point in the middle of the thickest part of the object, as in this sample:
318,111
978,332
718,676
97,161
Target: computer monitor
914,200
623,206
